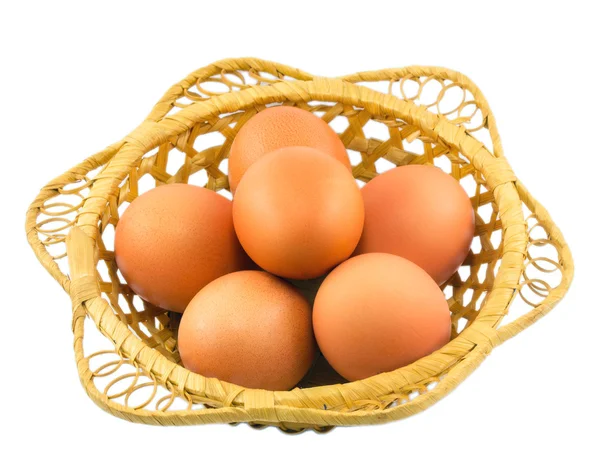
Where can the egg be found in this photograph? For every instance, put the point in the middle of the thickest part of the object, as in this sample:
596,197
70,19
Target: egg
173,240
420,213
298,213
278,127
378,312
249,328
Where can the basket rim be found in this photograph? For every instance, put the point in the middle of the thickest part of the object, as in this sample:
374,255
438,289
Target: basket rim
494,168
249,63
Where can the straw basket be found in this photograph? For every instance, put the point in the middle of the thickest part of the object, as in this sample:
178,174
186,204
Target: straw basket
126,349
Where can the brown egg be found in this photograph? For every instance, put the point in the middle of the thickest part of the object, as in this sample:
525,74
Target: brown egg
378,312
278,127
173,240
249,328
298,213
420,213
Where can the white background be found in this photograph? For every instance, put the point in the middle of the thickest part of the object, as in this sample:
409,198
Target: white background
77,77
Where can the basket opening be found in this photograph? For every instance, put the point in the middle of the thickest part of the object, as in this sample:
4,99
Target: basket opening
375,145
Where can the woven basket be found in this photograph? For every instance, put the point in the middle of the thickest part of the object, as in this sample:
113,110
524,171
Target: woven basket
385,118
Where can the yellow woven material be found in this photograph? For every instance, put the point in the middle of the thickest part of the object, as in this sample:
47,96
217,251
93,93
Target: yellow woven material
386,118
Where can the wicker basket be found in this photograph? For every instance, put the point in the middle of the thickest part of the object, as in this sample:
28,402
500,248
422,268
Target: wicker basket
385,118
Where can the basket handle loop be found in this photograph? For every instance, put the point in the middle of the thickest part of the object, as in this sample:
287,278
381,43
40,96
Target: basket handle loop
82,267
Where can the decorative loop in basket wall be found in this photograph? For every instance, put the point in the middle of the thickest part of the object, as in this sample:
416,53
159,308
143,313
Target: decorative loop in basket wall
385,118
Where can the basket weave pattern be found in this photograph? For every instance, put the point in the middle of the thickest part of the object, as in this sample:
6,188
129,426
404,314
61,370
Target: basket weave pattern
385,118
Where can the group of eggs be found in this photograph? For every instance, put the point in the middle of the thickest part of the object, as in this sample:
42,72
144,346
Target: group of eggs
297,213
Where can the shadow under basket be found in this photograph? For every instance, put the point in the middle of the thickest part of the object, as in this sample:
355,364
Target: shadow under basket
518,268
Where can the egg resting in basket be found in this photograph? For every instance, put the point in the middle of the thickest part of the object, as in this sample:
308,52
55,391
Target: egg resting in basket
385,118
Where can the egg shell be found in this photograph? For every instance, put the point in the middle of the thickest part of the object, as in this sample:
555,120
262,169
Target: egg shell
278,127
249,328
378,312
298,213
420,213
173,240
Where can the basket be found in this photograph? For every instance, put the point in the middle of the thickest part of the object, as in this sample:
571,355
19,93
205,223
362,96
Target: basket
519,266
